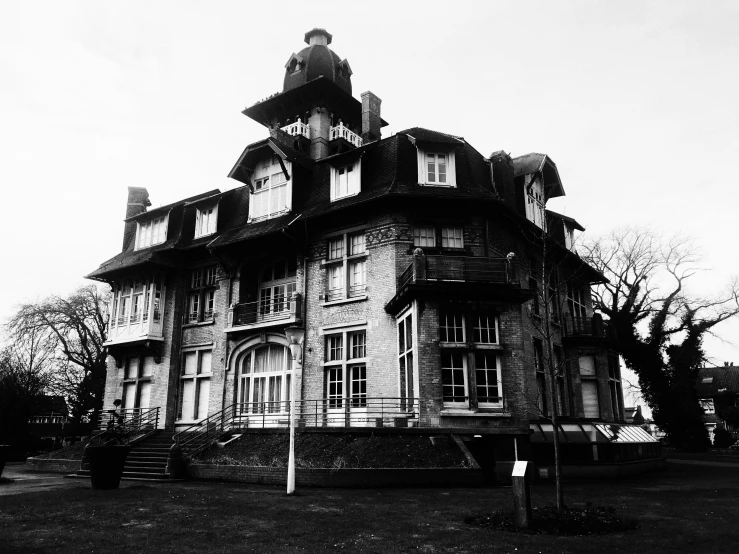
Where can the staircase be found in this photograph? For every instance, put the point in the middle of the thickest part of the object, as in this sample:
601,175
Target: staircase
148,458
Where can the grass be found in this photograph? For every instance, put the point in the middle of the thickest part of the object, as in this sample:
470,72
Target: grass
688,508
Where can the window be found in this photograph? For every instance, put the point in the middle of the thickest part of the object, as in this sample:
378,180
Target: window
541,381
589,386
535,301
195,385
535,204
614,386
265,380
576,301
436,168
707,405
205,221
405,359
202,295
346,180
277,285
449,237
151,232
136,303
272,192
345,366
346,267
470,365
563,382
137,382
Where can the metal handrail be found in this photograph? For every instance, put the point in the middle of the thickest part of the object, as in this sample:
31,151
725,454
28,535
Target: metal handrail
202,434
131,425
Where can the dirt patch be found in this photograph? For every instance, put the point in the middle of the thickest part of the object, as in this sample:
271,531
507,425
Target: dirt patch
318,450
547,520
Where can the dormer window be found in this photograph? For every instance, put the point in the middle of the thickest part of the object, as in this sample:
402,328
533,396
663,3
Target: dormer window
206,221
151,232
535,203
346,180
436,168
272,194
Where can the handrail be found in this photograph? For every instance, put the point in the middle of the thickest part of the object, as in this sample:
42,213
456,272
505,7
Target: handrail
200,435
325,412
132,425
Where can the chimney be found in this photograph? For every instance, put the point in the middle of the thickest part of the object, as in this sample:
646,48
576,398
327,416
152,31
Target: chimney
371,121
138,201
502,170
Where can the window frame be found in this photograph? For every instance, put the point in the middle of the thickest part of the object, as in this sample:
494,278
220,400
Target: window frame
353,184
438,235
406,357
342,280
136,381
471,340
265,186
339,368
246,390
211,225
197,379
145,237
536,203
451,167
201,294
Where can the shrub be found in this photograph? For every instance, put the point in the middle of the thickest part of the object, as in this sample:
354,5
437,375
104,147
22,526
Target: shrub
722,438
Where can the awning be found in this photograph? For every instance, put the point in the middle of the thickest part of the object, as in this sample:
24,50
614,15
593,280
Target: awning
572,433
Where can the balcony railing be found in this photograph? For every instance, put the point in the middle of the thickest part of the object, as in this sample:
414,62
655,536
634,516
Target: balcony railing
460,269
297,129
593,327
132,424
277,308
343,132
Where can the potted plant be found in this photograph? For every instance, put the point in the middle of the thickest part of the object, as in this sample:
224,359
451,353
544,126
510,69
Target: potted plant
108,457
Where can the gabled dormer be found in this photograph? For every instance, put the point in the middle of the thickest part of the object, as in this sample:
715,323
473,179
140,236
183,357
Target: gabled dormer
536,180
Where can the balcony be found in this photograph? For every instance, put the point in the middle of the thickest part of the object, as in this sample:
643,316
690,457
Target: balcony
277,310
586,329
340,133
461,277
297,129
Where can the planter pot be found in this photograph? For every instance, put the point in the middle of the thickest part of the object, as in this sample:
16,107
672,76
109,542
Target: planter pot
4,453
106,465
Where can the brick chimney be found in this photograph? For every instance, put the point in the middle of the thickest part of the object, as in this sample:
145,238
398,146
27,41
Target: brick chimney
138,201
371,121
502,168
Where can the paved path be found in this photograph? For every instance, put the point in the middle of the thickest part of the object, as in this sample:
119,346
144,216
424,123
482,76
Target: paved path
23,481
703,463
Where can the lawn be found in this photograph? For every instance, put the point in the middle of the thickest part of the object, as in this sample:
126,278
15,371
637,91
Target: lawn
688,508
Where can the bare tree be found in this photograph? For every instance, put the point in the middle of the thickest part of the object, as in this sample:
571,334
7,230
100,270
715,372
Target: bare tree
659,326
77,328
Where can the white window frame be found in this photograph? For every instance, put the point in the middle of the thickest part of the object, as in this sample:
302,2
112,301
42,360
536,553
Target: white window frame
247,391
206,221
480,341
424,178
202,287
268,181
346,267
151,232
137,378
406,357
198,380
576,301
341,356
536,203
346,180
444,237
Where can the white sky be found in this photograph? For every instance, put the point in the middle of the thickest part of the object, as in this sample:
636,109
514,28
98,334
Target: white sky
634,101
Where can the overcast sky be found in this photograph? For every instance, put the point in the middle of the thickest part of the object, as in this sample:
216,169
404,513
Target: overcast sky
634,101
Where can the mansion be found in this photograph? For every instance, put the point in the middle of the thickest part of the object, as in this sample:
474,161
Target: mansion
413,263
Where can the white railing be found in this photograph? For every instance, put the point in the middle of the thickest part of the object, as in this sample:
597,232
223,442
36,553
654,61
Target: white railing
343,132
297,129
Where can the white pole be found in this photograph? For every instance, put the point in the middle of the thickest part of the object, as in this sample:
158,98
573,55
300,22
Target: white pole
291,457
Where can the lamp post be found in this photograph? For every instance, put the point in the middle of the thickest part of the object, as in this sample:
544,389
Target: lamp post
295,337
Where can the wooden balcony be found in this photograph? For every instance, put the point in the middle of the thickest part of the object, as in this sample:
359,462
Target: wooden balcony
451,277
590,329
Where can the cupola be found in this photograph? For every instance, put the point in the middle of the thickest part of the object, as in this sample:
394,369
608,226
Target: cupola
317,60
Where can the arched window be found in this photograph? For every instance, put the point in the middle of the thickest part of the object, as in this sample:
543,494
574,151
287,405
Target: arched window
264,380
